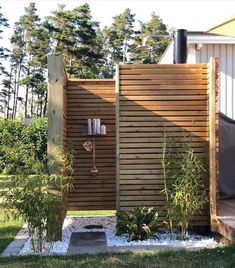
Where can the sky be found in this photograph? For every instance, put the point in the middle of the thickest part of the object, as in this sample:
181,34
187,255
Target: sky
197,15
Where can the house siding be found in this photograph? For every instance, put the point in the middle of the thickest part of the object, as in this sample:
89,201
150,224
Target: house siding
226,55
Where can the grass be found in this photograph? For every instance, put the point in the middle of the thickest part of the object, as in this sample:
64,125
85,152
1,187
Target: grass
8,227
91,213
209,258
8,230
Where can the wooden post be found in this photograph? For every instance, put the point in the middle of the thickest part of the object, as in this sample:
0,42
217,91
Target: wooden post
56,80
55,102
117,141
213,113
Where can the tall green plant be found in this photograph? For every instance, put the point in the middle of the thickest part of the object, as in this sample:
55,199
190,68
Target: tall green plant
187,194
189,190
166,162
30,197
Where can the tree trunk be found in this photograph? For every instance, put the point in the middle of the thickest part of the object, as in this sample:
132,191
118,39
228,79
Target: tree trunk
17,90
14,93
9,94
26,98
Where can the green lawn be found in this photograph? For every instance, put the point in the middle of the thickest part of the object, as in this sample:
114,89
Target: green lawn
215,258
91,212
8,230
9,227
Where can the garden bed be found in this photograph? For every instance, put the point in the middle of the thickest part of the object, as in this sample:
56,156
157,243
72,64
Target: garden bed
164,241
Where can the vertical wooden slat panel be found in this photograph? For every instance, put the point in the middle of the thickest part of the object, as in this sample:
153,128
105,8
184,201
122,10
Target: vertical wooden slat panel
117,141
56,131
213,145
55,101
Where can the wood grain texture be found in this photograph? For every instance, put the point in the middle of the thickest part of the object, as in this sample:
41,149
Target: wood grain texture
91,99
151,98
213,135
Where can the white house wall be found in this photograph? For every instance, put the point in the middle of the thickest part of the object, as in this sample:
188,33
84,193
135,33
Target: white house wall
226,54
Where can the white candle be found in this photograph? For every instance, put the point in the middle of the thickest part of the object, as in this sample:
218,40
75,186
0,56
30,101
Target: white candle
103,130
98,126
89,126
94,126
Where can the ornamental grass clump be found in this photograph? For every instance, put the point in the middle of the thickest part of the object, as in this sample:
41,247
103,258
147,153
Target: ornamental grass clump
30,197
184,184
139,224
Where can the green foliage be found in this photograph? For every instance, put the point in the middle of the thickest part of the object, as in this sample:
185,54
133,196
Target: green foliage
75,35
139,224
157,46
10,131
29,138
32,197
118,39
9,227
184,184
34,136
3,23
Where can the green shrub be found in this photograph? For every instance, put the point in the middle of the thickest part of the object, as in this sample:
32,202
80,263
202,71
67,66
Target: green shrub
34,136
184,185
34,197
30,138
139,224
10,132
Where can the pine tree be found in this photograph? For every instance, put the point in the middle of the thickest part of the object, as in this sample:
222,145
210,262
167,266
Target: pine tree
119,36
75,35
3,23
3,55
17,60
156,46
30,46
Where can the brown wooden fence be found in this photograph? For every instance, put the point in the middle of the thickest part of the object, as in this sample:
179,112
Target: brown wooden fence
181,98
92,99
151,98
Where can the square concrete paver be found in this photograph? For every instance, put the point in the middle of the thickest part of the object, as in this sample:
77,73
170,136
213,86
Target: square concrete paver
87,242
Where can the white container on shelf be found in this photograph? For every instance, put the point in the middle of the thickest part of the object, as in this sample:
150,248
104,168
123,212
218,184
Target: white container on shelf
89,129
98,126
103,129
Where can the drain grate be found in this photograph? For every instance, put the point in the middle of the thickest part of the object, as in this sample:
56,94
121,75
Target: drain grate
93,226
86,239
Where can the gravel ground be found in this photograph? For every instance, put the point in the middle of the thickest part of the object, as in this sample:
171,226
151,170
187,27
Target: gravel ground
77,224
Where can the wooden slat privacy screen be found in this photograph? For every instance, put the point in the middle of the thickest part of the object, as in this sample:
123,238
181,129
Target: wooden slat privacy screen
92,99
151,97
148,99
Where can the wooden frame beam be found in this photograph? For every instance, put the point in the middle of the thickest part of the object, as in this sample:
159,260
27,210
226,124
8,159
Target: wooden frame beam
117,141
213,140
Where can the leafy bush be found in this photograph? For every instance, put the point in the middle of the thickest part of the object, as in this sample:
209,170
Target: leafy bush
138,224
34,197
184,185
34,136
30,138
10,132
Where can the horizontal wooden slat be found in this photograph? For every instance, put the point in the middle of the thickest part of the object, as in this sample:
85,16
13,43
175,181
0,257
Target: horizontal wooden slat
91,99
142,71
163,66
153,98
